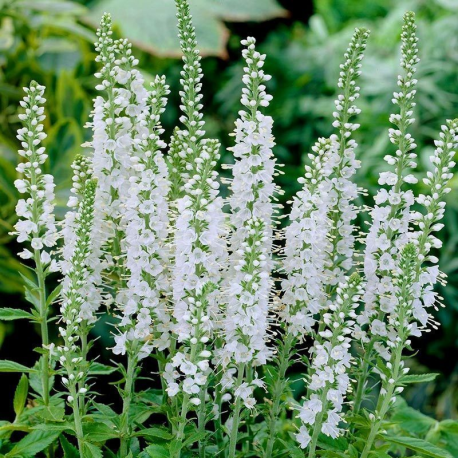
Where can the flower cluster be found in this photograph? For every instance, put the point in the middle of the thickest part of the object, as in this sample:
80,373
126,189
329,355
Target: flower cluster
391,214
145,319
307,242
331,360
76,286
36,224
247,279
344,191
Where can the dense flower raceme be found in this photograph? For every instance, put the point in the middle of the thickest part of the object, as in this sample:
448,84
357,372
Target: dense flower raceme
391,214
77,306
248,284
145,221
194,286
37,223
329,378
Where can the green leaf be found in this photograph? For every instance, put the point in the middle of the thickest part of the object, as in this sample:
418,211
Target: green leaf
419,445
91,451
70,451
154,433
54,295
412,421
152,23
33,443
100,369
418,378
11,366
52,6
52,413
98,432
20,395
9,314
157,451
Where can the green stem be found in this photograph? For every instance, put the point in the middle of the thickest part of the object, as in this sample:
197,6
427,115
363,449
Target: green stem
44,327
318,422
201,421
236,417
278,391
127,400
77,420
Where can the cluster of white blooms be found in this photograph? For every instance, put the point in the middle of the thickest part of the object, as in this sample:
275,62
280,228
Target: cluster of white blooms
145,322
391,214
344,191
248,284
199,246
246,312
307,242
36,224
89,289
328,374
75,284
422,296
200,251
114,117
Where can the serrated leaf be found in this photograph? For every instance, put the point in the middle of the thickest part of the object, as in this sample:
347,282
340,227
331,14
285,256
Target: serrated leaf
152,23
91,451
419,445
418,378
20,395
154,433
70,451
101,369
98,432
412,420
33,443
157,451
11,366
52,413
9,314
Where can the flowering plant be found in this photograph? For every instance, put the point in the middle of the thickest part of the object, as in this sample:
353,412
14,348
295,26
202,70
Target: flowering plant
213,289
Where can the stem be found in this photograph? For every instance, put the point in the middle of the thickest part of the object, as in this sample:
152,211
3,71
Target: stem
279,386
182,424
318,422
77,419
201,415
236,416
44,327
127,399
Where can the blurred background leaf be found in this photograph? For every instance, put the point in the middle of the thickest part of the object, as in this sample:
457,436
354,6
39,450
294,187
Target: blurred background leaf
51,41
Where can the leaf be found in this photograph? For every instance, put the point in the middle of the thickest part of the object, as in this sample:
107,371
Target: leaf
412,420
91,451
419,445
52,6
100,369
154,432
52,413
151,25
20,395
70,451
11,366
33,443
98,432
54,295
157,451
418,378
9,314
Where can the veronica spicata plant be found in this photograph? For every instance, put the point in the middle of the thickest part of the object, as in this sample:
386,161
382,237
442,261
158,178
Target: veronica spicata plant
212,302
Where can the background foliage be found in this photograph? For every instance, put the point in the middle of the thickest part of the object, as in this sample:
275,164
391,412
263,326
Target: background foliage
51,41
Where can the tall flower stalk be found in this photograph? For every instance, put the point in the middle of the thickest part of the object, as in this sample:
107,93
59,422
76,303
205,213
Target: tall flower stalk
246,314
36,225
76,313
390,216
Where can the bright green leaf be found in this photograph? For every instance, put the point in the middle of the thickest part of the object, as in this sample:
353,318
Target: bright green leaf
20,395
100,369
33,443
98,432
11,366
70,451
8,314
154,432
418,378
419,445
157,451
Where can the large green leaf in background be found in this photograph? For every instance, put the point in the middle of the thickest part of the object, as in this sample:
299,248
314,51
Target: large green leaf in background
151,24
